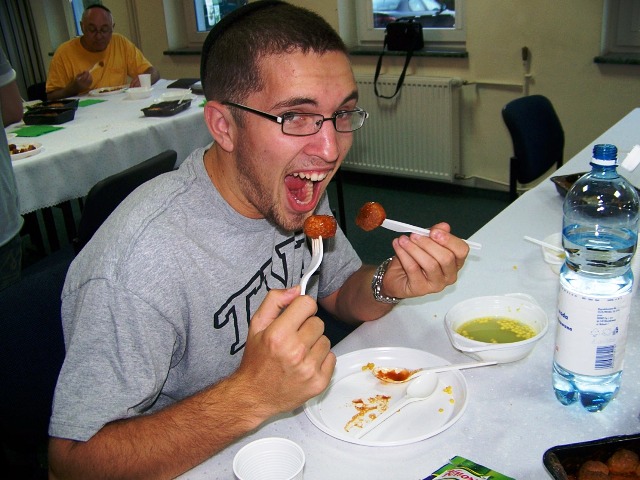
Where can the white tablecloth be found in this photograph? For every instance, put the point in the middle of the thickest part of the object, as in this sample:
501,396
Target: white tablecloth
103,139
512,416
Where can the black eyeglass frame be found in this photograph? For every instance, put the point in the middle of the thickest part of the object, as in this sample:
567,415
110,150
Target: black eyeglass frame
281,119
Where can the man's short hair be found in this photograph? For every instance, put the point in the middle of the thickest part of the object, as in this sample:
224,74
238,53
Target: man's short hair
231,54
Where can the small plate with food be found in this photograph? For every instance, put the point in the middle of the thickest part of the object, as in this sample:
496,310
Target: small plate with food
104,91
355,398
24,150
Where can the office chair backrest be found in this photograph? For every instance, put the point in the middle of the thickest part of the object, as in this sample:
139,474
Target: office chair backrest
537,135
37,91
31,353
107,194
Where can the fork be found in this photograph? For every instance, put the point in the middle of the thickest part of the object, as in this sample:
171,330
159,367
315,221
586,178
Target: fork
316,259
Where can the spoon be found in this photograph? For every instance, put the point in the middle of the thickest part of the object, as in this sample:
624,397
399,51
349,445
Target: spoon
555,248
401,375
421,389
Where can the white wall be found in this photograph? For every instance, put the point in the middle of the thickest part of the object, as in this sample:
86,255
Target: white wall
563,38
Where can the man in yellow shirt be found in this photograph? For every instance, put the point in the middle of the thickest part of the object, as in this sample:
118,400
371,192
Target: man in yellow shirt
97,59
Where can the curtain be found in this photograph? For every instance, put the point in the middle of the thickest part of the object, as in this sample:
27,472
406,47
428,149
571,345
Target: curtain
19,41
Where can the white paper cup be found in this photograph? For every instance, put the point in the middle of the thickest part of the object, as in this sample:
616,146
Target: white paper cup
145,80
554,259
269,459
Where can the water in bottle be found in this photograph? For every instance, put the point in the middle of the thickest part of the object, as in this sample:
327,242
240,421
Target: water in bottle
599,236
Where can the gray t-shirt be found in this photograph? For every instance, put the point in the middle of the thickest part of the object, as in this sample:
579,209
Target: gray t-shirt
156,307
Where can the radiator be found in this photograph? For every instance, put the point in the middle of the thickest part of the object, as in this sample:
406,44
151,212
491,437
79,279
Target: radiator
415,134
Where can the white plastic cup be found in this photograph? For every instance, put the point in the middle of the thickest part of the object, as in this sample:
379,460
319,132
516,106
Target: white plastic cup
145,80
554,259
269,459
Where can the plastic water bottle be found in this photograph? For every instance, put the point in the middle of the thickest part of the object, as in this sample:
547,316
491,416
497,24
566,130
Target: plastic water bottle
599,236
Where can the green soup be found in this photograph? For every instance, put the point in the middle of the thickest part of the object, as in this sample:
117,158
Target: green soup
496,330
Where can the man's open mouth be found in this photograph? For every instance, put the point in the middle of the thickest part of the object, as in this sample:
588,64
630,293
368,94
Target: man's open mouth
303,186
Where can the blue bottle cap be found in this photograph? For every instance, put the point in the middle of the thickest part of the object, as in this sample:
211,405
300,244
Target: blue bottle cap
605,154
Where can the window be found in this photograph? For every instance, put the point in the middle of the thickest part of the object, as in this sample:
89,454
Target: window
202,15
78,7
442,21
621,27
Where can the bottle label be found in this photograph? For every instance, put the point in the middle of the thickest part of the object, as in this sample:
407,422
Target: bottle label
591,333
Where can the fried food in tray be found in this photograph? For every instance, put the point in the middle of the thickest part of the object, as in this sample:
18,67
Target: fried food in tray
63,104
611,458
564,183
324,226
49,116
370,216
166,109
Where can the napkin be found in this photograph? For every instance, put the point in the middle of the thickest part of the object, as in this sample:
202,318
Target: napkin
89,101
35,130
632,160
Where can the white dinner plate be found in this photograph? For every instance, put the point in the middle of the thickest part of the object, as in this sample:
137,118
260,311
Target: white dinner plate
333,410
11,136
105,91
29,153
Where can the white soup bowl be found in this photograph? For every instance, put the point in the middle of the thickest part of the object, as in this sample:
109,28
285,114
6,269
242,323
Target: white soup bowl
516,306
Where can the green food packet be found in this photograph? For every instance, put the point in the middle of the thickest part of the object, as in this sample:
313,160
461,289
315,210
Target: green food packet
460,468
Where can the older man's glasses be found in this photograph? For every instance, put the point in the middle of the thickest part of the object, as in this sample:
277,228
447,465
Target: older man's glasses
102,31
303,124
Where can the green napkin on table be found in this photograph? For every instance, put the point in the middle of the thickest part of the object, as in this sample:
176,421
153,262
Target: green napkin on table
35,130
89,101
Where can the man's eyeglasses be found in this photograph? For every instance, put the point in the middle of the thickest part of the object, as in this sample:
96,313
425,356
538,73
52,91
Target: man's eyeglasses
95,31
303,124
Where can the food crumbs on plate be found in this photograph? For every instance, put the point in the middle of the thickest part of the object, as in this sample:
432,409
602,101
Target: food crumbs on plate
451,400
515,267
440,410
369,409
368,366
448,390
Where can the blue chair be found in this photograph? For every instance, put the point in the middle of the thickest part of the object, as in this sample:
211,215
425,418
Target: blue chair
538,139
31,340
106,195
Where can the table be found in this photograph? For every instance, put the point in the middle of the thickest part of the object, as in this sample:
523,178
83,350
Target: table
512,416
103,139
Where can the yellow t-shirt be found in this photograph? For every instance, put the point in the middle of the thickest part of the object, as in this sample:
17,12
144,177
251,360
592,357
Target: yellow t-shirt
122,60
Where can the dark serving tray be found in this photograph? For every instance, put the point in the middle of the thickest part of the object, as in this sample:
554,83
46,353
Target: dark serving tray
564,460
166,109
49,116
564,183
63,104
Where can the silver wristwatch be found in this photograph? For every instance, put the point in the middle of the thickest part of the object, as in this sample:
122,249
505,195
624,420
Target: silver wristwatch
376,284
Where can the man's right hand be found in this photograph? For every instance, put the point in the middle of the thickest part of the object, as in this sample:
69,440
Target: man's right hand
82,82
287,359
